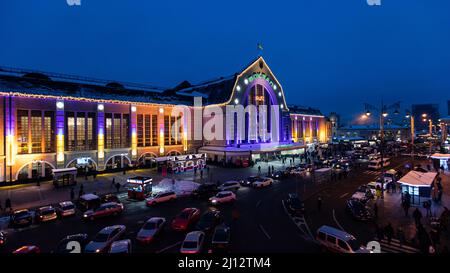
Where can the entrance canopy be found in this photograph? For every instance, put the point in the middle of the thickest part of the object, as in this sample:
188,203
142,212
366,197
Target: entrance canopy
418,179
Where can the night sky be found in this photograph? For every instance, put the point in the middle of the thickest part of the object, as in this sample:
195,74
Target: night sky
334,55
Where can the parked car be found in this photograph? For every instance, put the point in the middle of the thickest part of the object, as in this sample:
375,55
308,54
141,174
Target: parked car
45,214
21,218
122,246
223,197
185,219
205,191
358,210
66,245
152,228
221,239
230,186
193,243
27,250
262,182
107,198
65,209
294,205
249,180
277,175
104,238
161,197
107,209
209,220
337,240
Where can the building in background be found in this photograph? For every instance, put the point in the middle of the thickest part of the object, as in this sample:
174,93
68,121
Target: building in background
334,118
432,111
53,121
392,132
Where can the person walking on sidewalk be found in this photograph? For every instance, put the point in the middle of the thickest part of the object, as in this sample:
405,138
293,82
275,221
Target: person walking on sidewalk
401,236
319,203
113,183
417,216
117,186
427,206
72,194
389,231
1,207
259,169
8,204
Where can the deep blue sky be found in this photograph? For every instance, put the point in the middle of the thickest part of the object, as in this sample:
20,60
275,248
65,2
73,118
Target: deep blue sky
331,54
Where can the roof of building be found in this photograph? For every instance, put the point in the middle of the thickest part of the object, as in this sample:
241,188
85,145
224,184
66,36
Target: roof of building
58,85
418,179
304,110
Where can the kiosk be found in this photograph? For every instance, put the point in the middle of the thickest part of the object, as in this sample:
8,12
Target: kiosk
139,187
418,185
64,177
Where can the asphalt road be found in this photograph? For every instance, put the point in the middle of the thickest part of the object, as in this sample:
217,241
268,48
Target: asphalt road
263,225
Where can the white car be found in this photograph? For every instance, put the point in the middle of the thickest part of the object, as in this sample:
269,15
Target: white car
65,209
263,182
161,197
193,243
122,246
223,197
229,186
151,228
104,238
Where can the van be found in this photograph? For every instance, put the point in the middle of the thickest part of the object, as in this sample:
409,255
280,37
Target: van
376,164
390,175
338,241
89,201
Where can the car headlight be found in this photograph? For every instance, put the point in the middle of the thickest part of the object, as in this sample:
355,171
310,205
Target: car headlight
97,250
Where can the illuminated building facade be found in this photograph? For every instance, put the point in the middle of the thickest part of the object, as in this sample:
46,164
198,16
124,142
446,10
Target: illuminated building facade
53,121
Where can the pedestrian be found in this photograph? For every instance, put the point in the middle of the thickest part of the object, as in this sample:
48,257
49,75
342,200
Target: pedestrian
85,175
405,207
417,216
273,169
389,231
427,207
81,187
1,207
375,211
319,203
80,193
259,169
113,183
8,204
435,237
201,174
117,186
401,236
380,233
124,171
95,174
72,194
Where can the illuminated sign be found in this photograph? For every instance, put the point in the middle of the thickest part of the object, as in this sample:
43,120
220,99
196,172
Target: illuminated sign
261,76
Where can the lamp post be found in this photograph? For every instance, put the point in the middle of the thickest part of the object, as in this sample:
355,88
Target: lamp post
430,128
413,135
383,111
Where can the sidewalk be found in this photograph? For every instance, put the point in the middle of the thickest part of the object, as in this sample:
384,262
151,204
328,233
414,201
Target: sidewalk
391,211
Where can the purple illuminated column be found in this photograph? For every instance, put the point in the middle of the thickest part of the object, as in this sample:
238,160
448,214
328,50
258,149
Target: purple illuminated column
11,145
60,134
133,121
100,136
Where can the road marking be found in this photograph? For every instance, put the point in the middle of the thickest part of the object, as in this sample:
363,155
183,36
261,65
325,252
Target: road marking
169,247
265,232
299,222
342,196
337,222
258,203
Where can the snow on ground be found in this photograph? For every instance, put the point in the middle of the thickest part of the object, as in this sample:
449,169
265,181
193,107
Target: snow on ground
181,187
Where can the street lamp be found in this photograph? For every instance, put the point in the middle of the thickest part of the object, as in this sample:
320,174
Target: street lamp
383,110
413,135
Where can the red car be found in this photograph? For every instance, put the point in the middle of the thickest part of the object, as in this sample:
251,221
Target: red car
107,209
27,249
185,219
